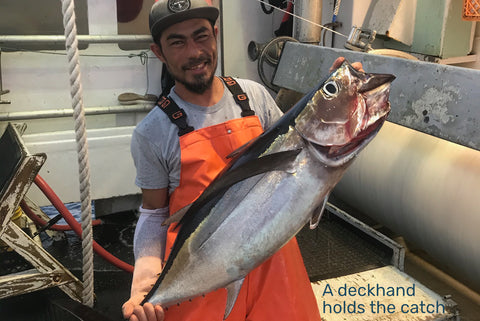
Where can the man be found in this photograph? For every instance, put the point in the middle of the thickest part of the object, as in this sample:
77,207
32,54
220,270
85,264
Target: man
179,148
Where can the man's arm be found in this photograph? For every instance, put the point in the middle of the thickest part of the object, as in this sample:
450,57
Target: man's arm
149,248
154,198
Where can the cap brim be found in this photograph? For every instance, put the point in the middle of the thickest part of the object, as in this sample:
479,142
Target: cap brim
210,13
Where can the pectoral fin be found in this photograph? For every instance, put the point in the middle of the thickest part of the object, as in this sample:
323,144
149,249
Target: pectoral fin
241,149
281,161
177,216
317,213
272,162
233,289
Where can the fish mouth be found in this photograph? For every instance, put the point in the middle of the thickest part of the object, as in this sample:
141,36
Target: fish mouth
343,153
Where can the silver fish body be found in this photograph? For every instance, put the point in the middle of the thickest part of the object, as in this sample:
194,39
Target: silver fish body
272,187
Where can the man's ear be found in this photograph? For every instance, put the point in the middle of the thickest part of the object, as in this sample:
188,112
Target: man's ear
157,51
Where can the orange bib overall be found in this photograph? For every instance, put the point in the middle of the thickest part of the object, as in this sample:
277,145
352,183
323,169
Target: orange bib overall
279,289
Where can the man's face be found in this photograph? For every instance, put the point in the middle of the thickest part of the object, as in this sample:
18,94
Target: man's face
189,49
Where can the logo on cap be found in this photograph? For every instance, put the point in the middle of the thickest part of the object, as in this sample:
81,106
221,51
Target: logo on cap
178,5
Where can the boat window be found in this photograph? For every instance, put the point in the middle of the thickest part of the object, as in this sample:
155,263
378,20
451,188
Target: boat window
29,17
132,17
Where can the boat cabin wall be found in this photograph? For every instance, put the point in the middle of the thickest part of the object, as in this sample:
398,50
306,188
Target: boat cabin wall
35,73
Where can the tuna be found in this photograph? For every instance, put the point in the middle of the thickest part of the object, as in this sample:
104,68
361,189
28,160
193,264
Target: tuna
273,187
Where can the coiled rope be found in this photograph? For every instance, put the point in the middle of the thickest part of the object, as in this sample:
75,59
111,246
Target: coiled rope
71,45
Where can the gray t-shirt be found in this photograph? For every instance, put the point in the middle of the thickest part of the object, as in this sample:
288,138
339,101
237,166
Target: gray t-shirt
155,144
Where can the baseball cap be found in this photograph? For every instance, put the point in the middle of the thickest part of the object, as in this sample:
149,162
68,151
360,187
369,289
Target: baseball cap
165,13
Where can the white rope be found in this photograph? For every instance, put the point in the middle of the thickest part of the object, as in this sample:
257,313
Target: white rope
71,44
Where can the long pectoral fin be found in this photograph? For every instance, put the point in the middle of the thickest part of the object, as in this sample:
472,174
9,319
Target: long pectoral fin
317,213
281,161
233,289
241,149
272,162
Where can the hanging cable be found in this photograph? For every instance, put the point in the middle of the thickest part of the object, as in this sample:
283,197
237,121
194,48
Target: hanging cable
71,45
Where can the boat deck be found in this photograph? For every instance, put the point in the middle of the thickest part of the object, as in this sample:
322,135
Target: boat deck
334,249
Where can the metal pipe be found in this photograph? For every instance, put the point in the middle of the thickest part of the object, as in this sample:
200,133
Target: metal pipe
82,39
310,10
444,277
57,113
425,189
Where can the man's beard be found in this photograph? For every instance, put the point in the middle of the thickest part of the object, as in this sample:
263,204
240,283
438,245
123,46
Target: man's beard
200,83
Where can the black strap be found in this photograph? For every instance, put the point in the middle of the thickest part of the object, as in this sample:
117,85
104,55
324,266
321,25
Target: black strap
175,114
178,117
239,95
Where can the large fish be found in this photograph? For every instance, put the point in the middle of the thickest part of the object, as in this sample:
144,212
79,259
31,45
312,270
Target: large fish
273,187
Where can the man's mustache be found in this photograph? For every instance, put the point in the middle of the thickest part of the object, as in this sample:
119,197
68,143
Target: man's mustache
192,62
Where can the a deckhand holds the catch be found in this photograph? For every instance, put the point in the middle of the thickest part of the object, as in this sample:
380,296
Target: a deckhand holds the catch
215,245
270,190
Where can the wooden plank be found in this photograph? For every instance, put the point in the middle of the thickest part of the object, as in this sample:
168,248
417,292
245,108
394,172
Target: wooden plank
18,240
30,281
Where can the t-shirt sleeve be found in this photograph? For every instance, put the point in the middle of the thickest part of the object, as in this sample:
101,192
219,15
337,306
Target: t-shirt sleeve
262,103
273,112
152,173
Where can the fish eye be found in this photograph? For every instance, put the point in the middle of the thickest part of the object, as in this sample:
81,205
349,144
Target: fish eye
330,89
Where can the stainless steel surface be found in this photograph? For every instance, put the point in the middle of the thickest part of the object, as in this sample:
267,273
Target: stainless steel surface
310,10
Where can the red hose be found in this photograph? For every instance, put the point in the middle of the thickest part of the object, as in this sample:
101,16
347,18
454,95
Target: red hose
41,222
62,209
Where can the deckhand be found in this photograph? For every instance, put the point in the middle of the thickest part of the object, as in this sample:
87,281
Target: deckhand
177,160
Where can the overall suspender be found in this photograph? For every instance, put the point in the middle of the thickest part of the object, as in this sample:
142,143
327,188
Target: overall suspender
179,118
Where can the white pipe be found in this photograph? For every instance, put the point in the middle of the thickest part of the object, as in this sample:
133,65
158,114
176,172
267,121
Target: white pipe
82,39
58,113
424,188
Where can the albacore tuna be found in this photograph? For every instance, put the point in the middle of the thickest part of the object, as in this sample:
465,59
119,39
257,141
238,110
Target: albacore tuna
273,187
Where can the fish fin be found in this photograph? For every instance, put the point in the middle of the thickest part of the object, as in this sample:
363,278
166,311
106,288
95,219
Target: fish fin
317,213
233,289
241,149
177,216
271,162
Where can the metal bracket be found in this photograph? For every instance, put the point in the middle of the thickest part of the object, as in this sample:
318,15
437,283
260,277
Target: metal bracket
360,39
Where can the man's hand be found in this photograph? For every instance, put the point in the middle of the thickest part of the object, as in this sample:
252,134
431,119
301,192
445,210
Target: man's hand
133,311
144,276
357,65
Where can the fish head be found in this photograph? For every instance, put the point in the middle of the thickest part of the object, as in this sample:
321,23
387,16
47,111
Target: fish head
344,113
